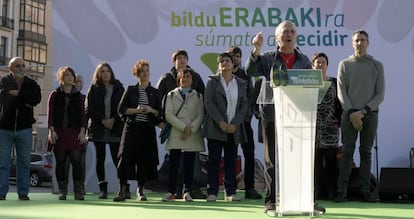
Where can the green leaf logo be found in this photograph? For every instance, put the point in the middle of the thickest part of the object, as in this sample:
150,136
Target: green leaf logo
210,60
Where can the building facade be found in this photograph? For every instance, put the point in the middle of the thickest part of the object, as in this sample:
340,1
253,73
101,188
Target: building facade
25,31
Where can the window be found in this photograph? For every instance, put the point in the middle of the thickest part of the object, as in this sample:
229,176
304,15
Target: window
31,44
43,53
4,19
34,53
35,158
3,51
32,16
5,8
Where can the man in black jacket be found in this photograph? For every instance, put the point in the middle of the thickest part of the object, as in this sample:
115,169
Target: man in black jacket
248,147
18,95
168,81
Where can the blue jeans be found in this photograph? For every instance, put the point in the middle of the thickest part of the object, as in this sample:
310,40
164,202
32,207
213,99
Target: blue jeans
215,148
22,140
349,137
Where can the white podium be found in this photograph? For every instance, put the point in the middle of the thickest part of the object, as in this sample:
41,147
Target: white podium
295,129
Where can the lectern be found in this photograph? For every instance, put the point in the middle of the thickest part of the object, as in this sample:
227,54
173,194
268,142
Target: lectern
295,127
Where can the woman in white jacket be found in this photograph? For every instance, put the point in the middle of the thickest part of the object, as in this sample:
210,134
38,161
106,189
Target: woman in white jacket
185,137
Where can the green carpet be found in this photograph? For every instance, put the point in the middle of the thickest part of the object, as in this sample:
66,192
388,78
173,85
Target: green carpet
45,206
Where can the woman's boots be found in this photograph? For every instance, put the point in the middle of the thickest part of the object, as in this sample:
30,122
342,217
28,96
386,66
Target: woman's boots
127,192
77,189
140,194
103,186
63,190
120,196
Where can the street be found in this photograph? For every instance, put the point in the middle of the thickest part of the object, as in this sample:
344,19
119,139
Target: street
46,187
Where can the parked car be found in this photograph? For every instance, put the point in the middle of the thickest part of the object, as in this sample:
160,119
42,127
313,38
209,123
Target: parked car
41,169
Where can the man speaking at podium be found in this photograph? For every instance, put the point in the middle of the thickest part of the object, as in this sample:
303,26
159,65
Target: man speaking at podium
286,56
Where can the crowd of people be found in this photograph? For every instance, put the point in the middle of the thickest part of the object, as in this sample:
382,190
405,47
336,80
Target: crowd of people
220,112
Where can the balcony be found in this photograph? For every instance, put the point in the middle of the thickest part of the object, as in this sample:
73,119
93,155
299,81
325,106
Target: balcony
32,36
6,22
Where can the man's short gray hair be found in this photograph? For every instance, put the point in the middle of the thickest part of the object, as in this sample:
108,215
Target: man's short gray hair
278,30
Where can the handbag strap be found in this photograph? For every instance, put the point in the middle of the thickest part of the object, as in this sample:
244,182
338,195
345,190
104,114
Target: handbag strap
179,109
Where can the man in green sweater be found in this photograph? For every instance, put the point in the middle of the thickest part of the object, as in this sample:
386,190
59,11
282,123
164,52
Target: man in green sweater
361,90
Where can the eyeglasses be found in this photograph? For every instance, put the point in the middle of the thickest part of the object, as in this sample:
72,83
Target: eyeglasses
20,65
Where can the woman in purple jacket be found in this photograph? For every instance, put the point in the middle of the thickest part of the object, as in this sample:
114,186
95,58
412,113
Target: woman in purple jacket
67,123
